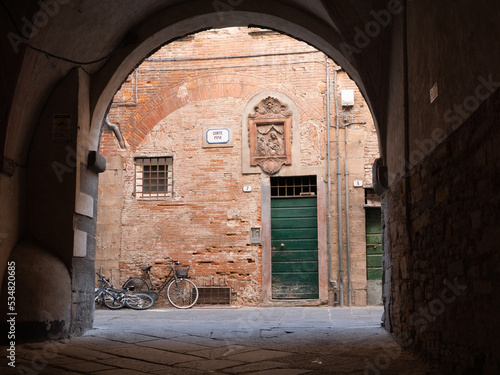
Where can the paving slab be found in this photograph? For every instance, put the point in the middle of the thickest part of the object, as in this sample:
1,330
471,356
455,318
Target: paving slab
221,352
255,367
176,346
153,355
210,365
132,364
183,371
258,355
281,372
120,371
83,366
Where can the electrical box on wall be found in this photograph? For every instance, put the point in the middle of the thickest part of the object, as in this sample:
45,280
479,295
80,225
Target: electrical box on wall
347,98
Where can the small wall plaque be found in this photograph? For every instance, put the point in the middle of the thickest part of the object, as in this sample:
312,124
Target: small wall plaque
217,136
255,236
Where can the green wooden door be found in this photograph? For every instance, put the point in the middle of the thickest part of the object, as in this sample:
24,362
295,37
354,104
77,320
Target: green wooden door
294,242
373,244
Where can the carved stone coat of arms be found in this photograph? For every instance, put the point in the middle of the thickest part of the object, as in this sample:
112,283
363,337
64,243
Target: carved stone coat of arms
270,135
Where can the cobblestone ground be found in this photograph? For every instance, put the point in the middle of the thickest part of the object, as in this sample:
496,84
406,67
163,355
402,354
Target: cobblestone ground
288,341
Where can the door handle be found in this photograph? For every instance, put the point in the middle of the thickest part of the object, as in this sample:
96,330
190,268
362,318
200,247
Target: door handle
282,245
274,248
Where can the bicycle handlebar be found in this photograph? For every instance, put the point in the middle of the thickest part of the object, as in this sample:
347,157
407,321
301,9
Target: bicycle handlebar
102,278
176,262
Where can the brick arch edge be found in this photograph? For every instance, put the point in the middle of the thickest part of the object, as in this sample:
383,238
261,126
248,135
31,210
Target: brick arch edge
173,98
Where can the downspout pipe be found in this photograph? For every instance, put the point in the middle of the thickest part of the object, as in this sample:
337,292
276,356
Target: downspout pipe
339,197
116,130
348,233
348,237
332,281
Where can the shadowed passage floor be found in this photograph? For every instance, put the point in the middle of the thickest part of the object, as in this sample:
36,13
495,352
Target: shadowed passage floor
309,340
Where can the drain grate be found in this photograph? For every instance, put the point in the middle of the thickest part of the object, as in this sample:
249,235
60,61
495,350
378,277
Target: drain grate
214,295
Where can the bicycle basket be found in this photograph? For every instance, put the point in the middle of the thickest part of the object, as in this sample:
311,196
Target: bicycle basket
182,270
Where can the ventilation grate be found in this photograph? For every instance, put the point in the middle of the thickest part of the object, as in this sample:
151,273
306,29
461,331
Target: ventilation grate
214,295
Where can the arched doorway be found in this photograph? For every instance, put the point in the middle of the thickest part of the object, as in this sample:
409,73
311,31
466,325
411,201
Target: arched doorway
180,92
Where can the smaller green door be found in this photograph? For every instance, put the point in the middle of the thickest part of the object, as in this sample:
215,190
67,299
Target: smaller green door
373,244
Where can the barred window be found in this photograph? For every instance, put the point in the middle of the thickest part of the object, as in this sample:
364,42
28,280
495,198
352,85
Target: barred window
153,178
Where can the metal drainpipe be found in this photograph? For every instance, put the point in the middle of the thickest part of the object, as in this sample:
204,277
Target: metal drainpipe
348,238
339,197
116,130
329,178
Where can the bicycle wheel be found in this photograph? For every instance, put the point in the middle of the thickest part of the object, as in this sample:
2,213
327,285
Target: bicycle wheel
112,301
139,284
182,293
139,301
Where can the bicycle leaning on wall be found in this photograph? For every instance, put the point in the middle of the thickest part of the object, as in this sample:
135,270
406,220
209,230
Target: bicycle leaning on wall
115,299
181,292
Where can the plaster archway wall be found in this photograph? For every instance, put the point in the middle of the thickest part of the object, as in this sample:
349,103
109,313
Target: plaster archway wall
452,181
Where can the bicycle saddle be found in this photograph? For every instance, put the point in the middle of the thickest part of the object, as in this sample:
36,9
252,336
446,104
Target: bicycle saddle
146,268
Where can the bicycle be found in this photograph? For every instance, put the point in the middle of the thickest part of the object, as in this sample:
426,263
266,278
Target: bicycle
115,299
181,292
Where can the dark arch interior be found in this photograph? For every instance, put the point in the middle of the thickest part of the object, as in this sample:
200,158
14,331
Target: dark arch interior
431,82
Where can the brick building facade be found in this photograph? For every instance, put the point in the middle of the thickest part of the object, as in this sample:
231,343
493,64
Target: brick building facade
225,139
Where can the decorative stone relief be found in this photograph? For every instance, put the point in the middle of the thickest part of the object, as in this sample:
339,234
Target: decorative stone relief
270,135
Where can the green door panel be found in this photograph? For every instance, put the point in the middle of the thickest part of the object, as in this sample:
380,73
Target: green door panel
294,255
294,202
373,249
294,241
374,261
311,244
288,223
374,238
374,274
294,212
294,266
294,233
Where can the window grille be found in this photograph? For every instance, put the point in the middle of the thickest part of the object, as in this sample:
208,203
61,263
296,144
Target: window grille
153,178
296,186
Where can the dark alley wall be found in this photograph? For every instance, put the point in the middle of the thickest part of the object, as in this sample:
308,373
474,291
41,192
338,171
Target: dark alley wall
441,221
441,289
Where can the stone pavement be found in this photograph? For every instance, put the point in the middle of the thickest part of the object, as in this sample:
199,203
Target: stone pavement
274,341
